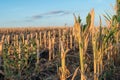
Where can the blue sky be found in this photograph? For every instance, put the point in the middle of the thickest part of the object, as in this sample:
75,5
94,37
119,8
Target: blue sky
21,13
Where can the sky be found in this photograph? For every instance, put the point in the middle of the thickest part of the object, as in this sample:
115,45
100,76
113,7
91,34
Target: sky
24,13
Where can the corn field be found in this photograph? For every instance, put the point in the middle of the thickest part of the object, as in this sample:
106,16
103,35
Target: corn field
81,52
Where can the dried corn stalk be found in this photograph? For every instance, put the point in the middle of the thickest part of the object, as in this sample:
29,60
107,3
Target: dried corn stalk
23,39
63,69
95,54
78,38
53,50
44,39
1,45
50,46
8,39
40,39
59,40
26,52
38,54
16,38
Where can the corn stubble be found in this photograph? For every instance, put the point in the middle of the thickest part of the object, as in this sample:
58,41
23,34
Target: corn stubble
21,53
